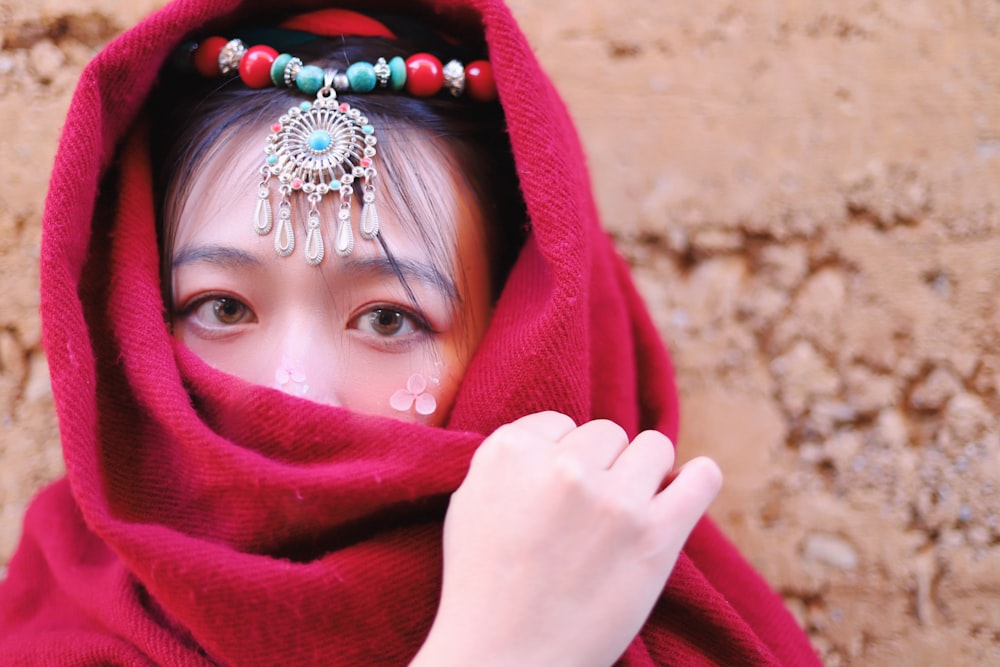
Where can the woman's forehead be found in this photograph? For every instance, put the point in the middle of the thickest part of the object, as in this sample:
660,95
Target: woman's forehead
423,203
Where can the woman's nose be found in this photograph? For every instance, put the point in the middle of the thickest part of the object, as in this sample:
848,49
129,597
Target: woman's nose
304,363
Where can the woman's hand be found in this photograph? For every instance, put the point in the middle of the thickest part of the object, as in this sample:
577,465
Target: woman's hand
559,542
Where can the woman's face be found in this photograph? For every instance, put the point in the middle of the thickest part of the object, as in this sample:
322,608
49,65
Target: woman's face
345,333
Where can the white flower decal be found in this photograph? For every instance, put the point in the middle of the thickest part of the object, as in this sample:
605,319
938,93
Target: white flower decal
289,378
414,396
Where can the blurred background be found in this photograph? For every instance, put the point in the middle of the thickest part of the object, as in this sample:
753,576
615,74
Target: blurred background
807,194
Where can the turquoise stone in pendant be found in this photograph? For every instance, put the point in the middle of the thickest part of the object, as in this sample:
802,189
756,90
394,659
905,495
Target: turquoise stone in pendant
361,76
319,140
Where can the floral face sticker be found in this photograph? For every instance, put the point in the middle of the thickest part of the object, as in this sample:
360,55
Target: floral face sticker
414,396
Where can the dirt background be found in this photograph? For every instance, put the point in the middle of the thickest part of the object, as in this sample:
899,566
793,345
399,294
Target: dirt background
807,192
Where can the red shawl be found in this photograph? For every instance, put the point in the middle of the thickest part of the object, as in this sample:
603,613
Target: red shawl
204,520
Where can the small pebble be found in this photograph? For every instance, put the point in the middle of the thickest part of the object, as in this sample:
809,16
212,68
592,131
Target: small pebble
45,59
830,550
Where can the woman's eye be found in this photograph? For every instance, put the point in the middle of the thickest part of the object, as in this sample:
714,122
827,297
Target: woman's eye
387,322
224,310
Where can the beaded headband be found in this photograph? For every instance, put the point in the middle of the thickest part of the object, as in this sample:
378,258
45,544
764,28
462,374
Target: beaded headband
324,146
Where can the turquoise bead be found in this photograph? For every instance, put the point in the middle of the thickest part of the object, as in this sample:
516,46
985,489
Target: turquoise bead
278,69
361,76
305,106
310,79
397,73
272,159
367,129
319,140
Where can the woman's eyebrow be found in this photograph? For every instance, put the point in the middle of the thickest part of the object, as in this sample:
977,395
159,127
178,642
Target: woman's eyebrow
407,268
220,255
230,257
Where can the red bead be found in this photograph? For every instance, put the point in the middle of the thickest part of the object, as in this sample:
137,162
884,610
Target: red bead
296,184
206,56
424,75
479,82
366,162
345,107
276,127
255,66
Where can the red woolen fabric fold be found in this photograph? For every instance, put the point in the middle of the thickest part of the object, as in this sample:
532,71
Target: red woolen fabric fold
208,521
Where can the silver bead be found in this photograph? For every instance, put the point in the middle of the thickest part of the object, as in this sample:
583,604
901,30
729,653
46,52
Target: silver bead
291,72
341,83
454,77
382,72
229,56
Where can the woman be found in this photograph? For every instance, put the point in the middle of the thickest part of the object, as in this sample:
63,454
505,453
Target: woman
214,516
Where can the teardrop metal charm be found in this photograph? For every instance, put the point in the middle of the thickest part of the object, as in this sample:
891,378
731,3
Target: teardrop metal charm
344,242
284,239
369,220
314,246
263,218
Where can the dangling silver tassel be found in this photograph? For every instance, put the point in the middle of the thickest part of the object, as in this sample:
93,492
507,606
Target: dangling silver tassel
344,241
262,217
284,239
369,214
314,238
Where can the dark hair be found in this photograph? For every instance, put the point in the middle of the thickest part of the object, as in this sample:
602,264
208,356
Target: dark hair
193,118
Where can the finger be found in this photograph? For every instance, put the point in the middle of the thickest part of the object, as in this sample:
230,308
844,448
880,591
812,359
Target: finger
645,464
522,442
536,432
549,425
679,506
595,444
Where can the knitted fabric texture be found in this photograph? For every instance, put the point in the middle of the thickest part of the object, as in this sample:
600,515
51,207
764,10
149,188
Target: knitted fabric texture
204,520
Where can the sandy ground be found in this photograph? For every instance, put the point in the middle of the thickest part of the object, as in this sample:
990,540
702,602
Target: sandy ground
808,199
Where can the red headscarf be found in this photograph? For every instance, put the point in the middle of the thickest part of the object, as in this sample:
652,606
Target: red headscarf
205,520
